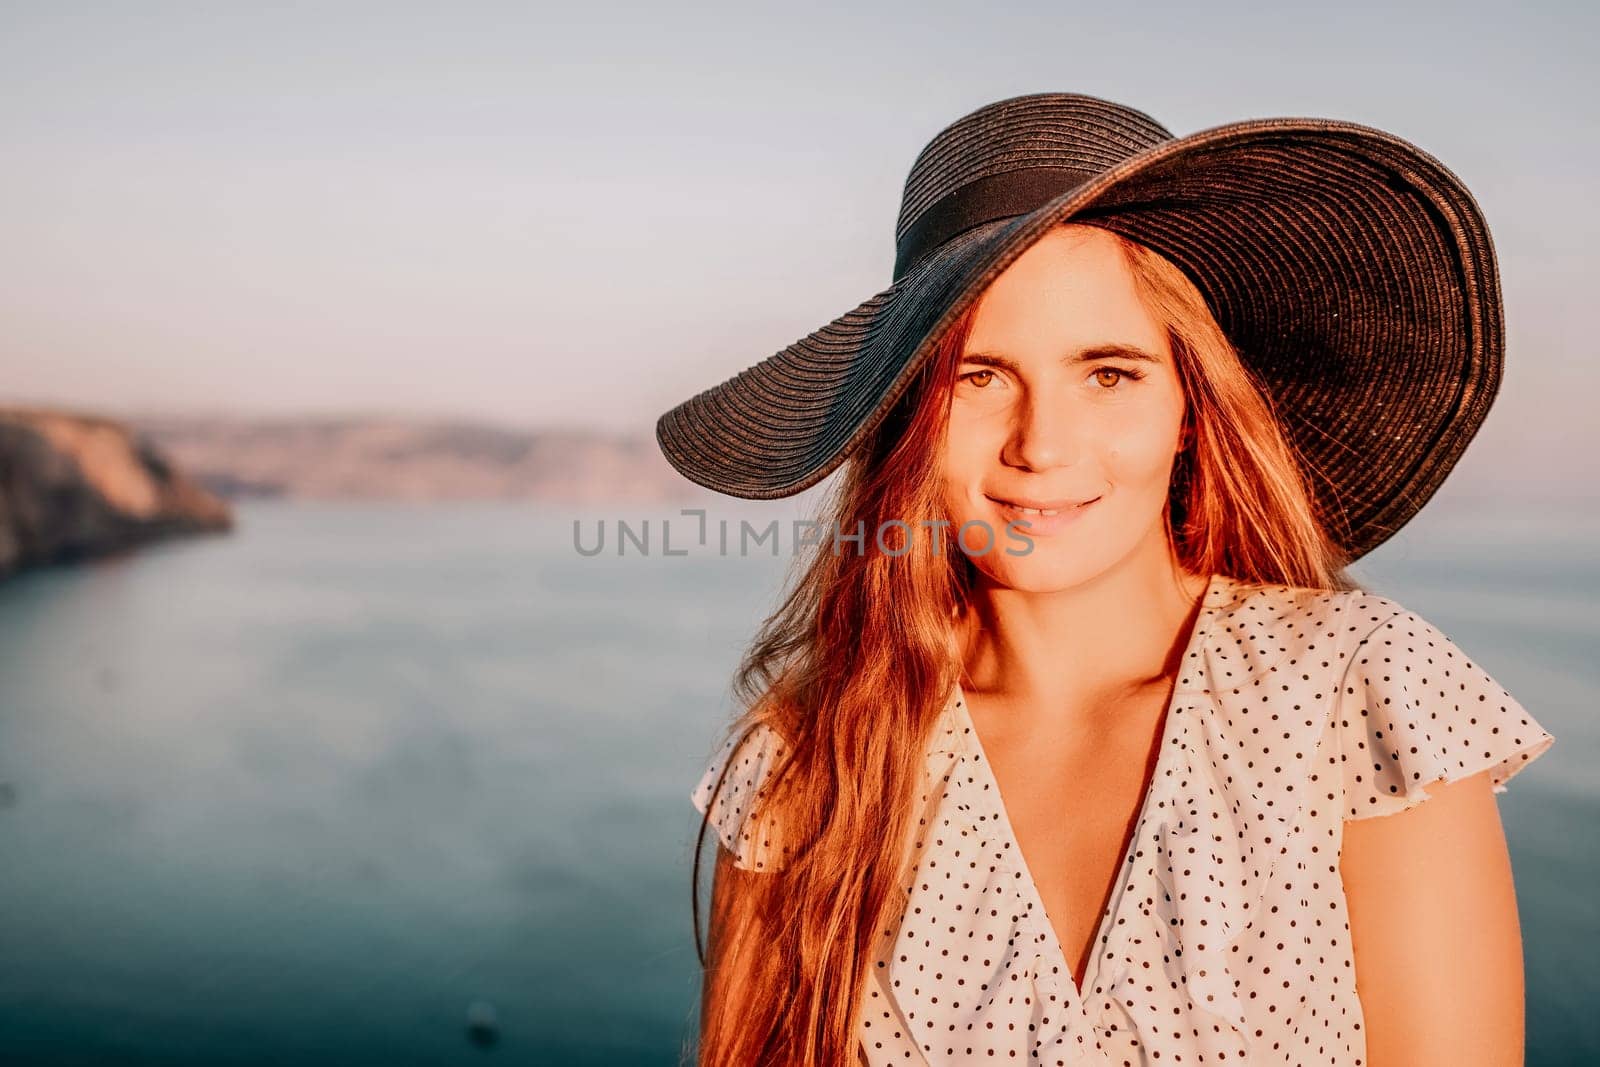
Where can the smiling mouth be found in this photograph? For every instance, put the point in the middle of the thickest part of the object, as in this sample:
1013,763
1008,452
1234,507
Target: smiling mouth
1041,507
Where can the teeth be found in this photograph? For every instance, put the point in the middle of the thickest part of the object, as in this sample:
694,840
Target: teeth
1038,511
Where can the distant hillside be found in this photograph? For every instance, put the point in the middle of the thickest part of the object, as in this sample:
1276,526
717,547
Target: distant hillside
413,459
74,485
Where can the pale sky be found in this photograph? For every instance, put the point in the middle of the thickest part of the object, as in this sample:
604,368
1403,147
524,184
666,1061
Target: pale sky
582,215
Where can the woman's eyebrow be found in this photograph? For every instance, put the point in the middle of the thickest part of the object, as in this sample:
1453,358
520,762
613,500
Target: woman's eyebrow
1110,350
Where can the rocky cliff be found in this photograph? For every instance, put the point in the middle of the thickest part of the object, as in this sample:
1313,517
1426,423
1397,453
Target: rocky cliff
73,486
418,459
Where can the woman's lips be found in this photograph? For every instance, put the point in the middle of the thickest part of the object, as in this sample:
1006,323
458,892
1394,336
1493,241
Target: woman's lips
1035,521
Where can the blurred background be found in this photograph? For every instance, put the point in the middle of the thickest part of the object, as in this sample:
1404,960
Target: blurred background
328,330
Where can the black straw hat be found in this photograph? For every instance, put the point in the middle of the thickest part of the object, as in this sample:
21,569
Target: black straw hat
1353,272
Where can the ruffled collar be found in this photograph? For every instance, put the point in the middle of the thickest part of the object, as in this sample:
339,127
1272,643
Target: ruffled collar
1212,838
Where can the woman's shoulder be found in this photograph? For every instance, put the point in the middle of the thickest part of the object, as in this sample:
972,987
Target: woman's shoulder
1268,622
1314,641
732,789
1272,601
1337,622
1407,705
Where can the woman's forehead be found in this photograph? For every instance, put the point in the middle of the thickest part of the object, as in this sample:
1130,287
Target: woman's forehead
1072,291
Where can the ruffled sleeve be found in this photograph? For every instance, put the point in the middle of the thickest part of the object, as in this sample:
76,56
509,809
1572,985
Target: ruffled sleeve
736,816
1415,710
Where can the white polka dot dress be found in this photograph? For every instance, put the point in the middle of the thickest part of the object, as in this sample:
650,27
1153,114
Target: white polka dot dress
1226,939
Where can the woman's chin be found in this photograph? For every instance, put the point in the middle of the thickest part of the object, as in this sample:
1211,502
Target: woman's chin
1040,571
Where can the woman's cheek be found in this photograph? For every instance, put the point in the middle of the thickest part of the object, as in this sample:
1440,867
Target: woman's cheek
964,470
958,494
1137,458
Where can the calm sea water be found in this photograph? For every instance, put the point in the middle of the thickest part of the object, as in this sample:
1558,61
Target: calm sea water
309,792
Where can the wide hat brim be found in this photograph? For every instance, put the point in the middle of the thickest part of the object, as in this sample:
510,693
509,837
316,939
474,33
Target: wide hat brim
1352,271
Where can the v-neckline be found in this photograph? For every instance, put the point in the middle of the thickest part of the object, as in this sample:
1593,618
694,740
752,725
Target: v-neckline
968,732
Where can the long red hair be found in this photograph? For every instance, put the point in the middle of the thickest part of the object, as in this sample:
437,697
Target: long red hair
854,667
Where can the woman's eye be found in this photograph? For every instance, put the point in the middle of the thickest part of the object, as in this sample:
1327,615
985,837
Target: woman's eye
971,376
1119,374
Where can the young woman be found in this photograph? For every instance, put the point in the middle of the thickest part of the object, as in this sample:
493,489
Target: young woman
1076,743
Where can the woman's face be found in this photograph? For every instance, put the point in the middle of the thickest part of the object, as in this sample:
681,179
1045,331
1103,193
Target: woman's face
1067,398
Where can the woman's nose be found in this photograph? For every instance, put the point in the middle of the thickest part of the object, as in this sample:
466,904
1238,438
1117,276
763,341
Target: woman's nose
1044,435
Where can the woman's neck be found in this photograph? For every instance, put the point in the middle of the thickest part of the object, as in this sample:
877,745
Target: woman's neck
1063,653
